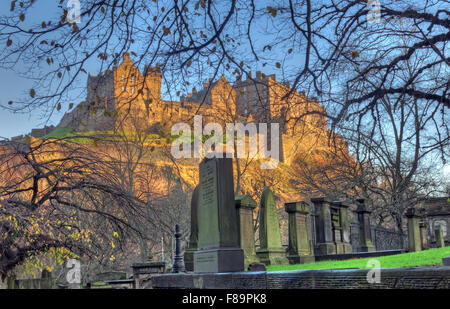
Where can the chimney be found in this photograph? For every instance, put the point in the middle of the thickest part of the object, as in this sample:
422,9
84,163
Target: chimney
205,85
258,75
194,90
239,78
189,95
249,75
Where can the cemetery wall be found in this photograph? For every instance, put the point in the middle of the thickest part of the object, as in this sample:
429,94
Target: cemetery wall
399,278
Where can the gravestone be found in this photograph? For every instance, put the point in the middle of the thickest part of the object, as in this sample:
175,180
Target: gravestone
423,234
245,206
270,250
218,229
299,249
324,234
365,232
343,244
414,241
193,238
439,236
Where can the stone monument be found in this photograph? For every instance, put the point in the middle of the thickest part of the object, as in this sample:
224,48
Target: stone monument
414,240
218,230
365,233
245,206
299,249
324,235
270,249
439,235
193,238
423,225
342,235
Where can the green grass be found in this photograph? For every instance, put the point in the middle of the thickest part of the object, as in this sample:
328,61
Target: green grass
431,257
59,133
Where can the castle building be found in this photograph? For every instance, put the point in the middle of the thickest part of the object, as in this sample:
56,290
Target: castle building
126,99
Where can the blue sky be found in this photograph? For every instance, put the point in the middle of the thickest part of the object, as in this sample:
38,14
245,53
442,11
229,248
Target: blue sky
13,86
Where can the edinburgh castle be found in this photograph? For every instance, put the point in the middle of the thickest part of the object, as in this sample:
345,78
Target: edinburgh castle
125,99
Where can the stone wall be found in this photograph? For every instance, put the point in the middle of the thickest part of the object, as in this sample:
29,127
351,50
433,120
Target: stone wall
398,278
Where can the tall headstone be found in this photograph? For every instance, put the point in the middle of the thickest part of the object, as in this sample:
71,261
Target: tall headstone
218,229
245,206
342,239
365,233
414,240
299,249
325,244
423,234
270,249
193,238
439,235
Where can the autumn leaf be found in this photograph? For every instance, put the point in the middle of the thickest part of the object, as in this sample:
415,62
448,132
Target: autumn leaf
32,93
290,50
70,105
9,42
58,108
355,54
278,65
272,11
22,17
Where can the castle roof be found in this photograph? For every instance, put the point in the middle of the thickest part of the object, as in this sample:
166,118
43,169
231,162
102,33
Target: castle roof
200,96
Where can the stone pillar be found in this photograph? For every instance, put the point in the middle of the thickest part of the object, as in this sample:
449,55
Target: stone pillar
193,238
423,234
439,235
324,234
299,250
245,206
365,233
344,244
218,230
413,230
270,249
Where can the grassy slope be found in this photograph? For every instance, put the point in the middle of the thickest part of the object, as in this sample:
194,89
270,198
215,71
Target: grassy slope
422,258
